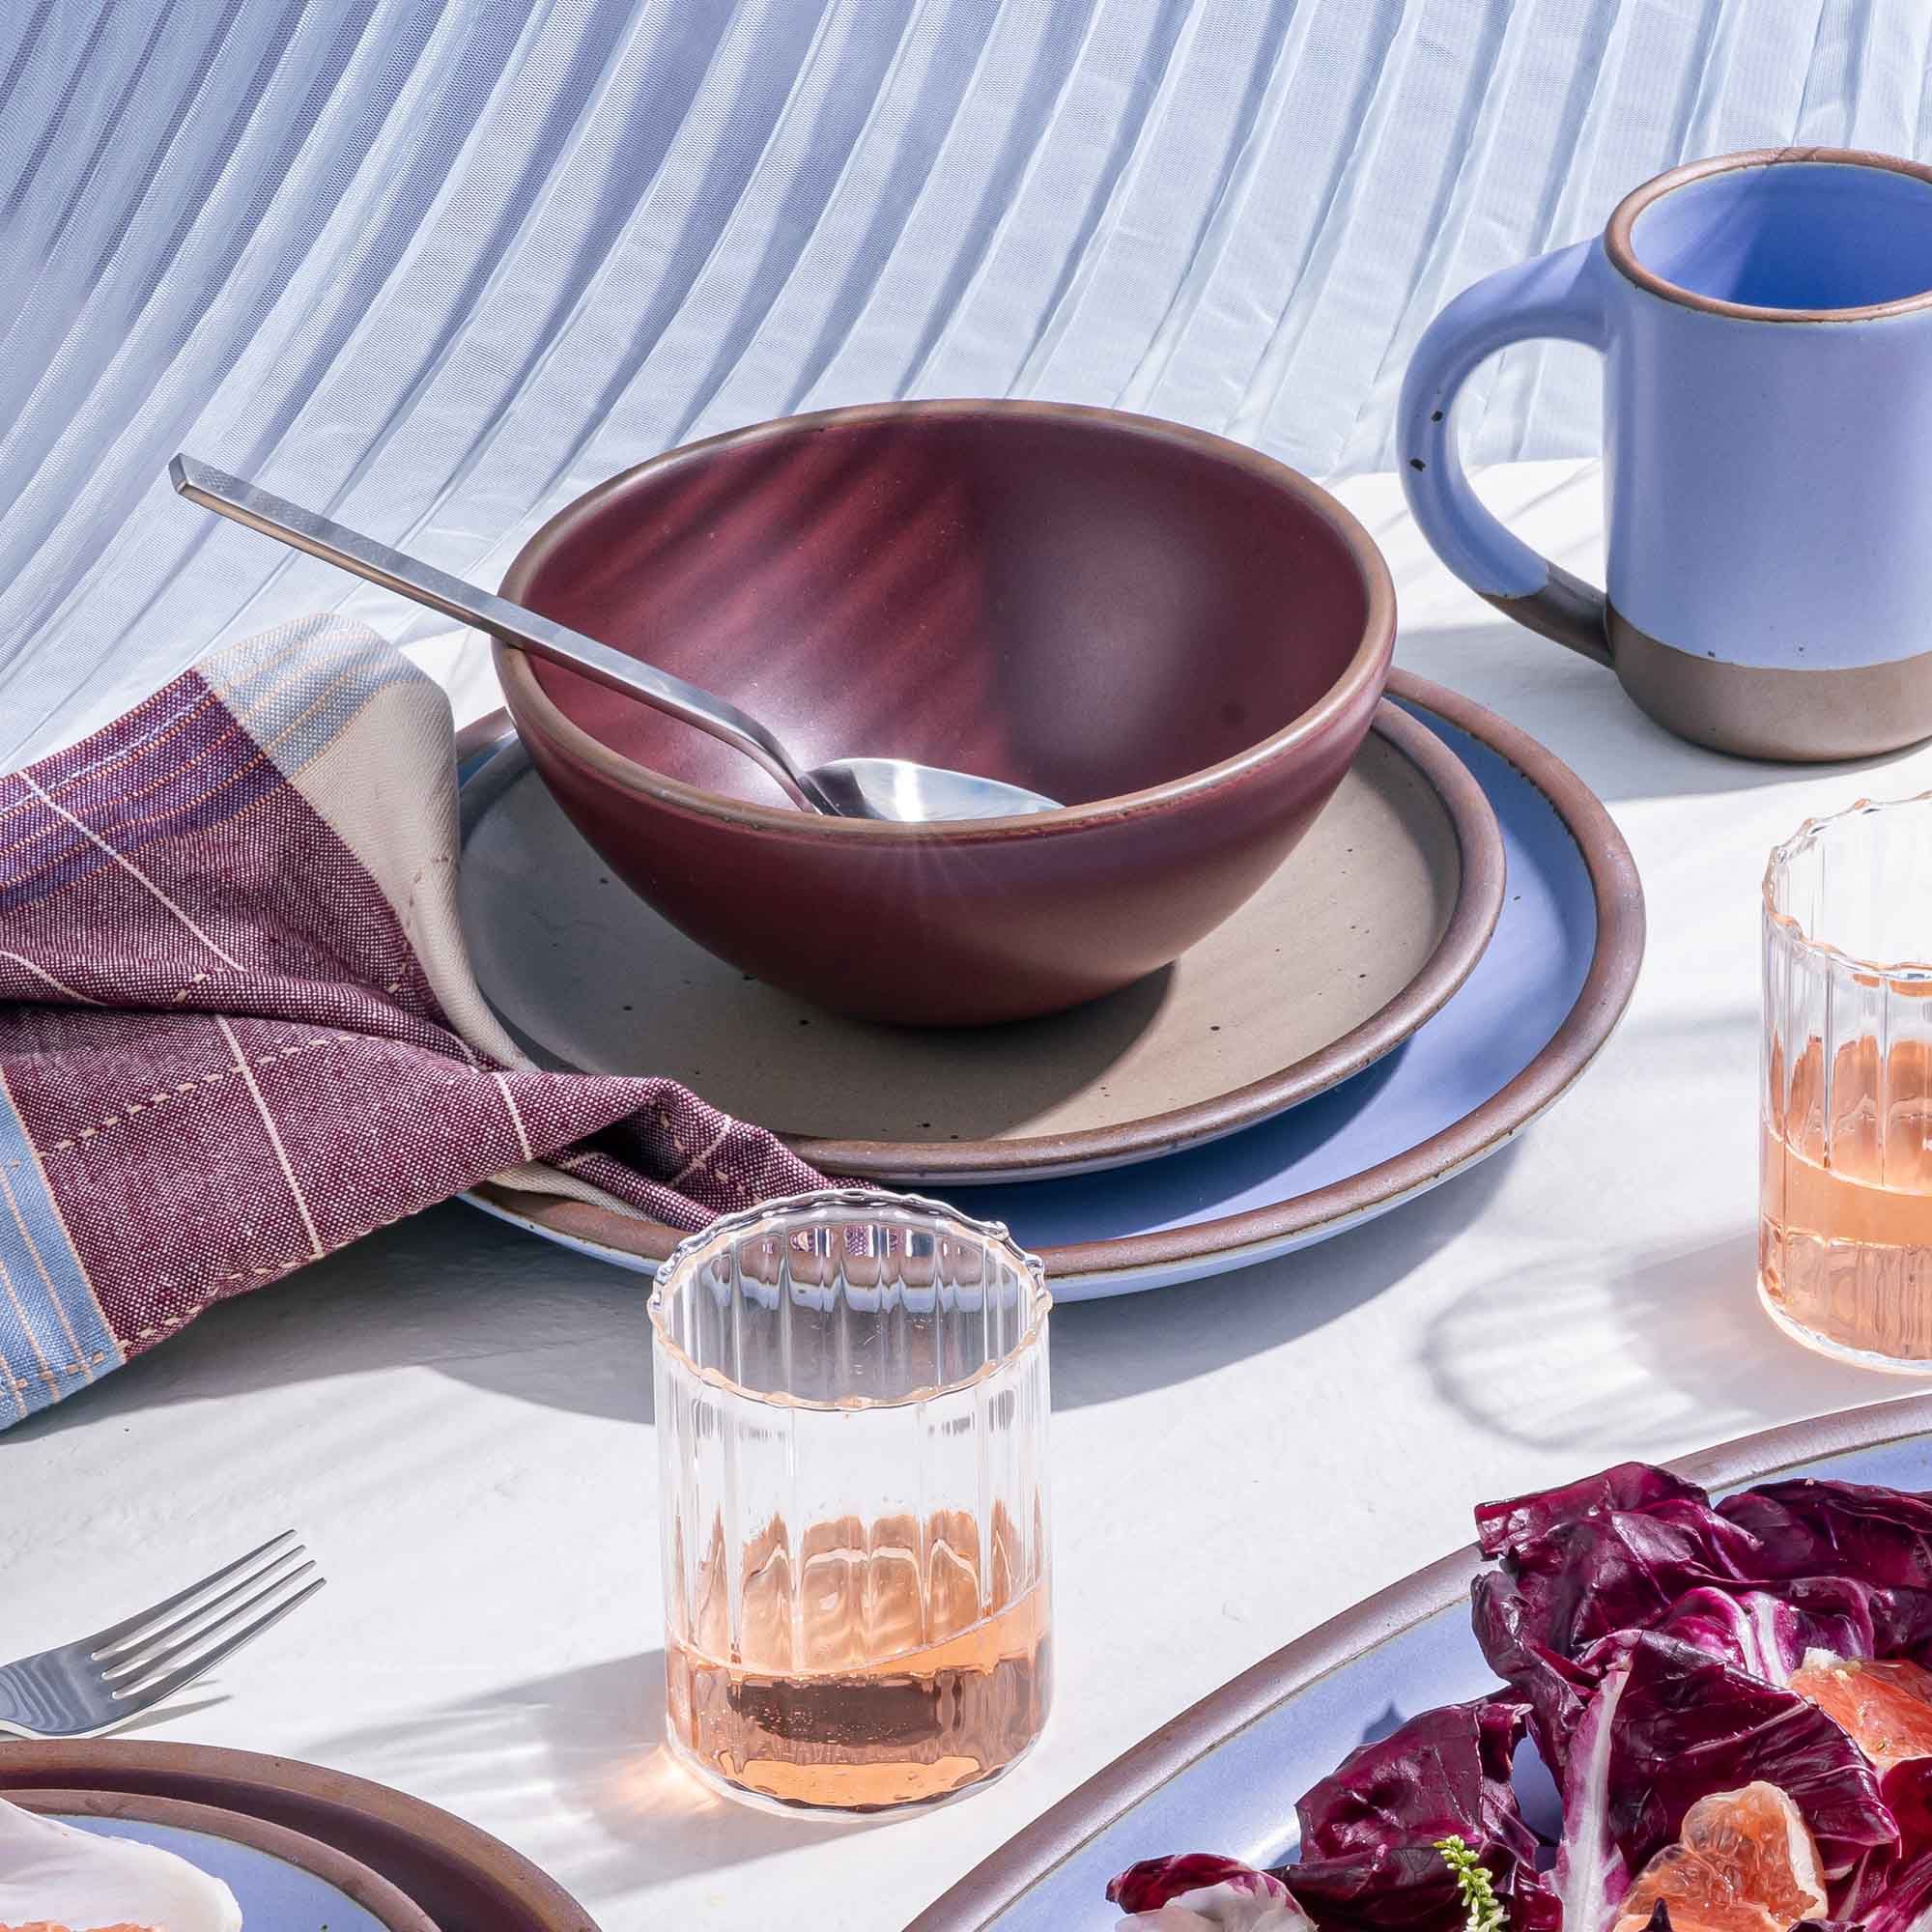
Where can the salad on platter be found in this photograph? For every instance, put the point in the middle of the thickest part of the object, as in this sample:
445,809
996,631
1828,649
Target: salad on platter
1711,1717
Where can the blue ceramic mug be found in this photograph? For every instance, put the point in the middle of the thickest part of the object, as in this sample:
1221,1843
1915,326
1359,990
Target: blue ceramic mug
1766,327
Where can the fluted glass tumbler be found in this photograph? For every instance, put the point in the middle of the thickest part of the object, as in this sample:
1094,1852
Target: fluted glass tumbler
852,1418
1846,1211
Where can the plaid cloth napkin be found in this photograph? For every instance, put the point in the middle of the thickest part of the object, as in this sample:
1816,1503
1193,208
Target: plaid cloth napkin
238,1028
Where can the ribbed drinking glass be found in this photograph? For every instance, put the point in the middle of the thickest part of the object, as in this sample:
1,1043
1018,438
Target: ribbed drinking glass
1845,1220
852,1418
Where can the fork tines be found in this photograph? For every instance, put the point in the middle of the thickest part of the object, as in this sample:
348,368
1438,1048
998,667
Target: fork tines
167,1646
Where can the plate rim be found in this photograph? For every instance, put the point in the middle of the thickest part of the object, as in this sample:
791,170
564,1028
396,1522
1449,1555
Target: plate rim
989,1160
228,1776
1002,1880
1230,1241
380,1898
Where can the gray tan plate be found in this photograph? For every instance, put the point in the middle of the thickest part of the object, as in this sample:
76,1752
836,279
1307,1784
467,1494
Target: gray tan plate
1374,921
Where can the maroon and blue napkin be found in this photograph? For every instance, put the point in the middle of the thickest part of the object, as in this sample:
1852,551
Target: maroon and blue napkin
238,1026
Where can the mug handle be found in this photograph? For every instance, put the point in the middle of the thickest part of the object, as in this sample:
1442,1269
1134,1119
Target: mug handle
1555,295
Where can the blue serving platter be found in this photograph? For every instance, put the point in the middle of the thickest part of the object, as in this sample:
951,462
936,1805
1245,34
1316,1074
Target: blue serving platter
1224,1777
1539,1005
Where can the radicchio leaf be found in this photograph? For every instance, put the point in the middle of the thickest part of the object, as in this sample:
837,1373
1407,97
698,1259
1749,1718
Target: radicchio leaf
1905,1904
1688,1724
1636,1548
1592,1877
1901,1619
1569,1581
1218,1891
1369,1830
1907,1791
1554,1687
1811,1528
1393,1887
1629,1486
1766,1635
1444,1773
1875,1543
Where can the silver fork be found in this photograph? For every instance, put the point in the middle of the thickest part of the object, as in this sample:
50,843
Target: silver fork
83,1689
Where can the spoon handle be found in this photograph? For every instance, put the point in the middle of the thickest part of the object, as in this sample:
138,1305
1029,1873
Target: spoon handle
511,623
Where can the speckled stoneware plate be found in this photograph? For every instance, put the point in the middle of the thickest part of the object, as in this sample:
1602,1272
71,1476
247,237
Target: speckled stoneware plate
1367,929
461,1879
279,1878
1224,1777
1539,1005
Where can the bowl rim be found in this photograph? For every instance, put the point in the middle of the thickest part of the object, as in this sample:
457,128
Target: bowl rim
1361,678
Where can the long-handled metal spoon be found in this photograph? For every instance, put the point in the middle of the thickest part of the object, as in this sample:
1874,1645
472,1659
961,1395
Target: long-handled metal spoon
895,789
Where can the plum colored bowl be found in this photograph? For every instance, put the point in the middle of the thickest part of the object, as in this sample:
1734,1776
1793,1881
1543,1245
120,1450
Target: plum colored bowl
1182,639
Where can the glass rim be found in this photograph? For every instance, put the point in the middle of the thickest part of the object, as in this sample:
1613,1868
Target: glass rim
1789,926
746,1220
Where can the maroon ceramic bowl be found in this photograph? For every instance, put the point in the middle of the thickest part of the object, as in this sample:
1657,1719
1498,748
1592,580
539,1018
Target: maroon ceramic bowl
1181,638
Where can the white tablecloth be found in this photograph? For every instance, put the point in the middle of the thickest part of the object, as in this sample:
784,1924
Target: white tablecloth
459,1418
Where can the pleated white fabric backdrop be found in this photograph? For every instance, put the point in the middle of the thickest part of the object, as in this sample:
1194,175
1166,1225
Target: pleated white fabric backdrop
438,267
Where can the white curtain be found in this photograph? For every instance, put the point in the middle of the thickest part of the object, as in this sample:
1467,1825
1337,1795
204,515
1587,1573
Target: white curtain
436,267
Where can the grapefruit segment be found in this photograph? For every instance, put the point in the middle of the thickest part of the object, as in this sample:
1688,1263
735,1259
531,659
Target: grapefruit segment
1884,1703
1743,1863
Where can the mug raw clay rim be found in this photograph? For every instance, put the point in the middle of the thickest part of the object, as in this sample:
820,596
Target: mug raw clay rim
1619,244
1365,671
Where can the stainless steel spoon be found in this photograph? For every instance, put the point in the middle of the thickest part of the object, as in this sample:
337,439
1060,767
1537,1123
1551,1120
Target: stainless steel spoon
891,788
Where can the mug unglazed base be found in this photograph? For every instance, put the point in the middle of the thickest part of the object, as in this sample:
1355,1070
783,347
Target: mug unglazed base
1796,716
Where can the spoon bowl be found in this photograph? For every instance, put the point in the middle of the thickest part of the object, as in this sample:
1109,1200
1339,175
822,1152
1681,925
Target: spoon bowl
915,794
